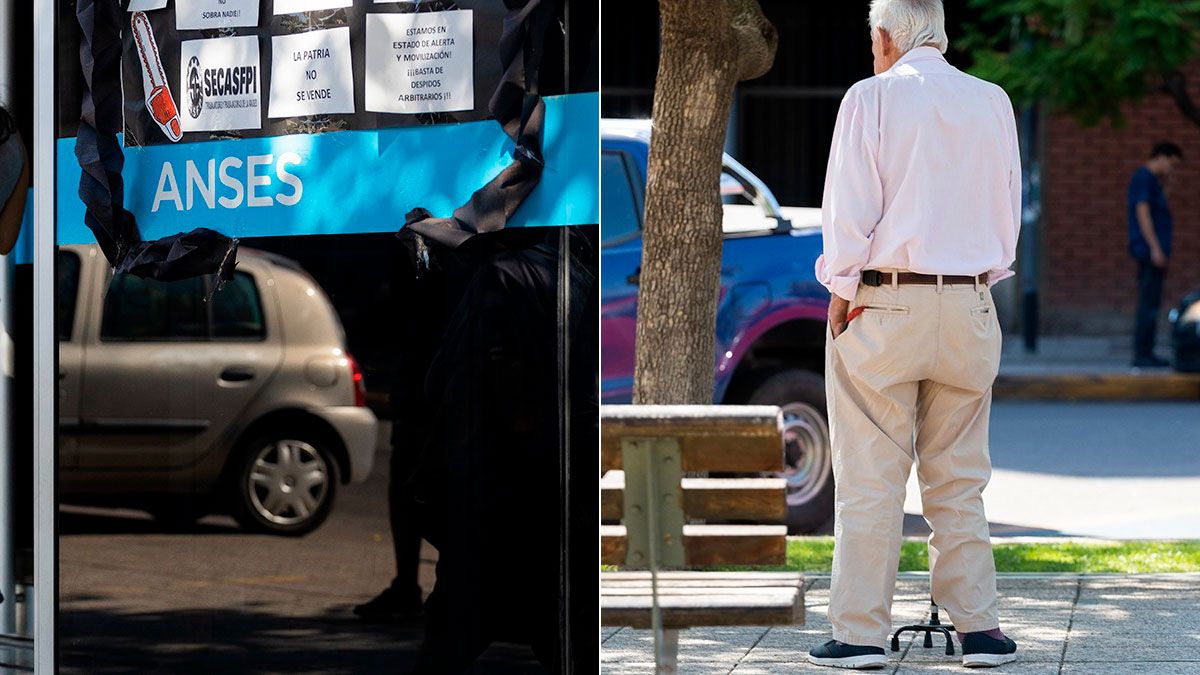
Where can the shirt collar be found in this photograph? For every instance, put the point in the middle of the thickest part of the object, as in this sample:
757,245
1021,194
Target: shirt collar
920,54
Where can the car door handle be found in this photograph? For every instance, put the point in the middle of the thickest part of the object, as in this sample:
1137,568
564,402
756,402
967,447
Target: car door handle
237,374
635,278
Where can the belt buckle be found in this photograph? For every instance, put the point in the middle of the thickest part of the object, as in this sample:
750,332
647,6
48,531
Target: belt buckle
872,278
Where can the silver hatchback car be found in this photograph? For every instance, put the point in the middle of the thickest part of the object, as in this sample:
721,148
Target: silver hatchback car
248,404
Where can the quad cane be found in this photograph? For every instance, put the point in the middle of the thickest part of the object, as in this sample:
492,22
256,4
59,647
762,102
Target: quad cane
934,626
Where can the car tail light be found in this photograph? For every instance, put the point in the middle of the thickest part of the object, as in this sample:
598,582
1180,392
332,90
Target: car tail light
356,378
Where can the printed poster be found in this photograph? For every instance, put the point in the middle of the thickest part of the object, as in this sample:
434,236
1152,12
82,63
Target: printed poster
220,80
145,5
420,62
293,6
311,73
209,14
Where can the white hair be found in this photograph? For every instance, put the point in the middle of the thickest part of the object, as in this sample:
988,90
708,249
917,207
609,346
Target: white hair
911,23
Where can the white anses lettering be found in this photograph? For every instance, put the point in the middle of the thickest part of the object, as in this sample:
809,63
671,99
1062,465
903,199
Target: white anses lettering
289,178
251,183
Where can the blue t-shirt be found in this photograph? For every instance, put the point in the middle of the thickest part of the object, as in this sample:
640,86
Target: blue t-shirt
1145,188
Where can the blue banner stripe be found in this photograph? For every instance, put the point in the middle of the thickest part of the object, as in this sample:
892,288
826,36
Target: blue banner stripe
346,181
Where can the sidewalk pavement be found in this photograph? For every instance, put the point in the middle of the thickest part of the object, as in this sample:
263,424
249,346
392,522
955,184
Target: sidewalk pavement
1094,624
1087,368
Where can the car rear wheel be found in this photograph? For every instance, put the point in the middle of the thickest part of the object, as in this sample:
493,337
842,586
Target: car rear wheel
285,484
807,448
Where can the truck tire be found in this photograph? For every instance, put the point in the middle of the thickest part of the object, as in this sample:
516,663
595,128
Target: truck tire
808,453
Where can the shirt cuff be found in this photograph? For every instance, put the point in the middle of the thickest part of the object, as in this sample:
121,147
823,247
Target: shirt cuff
998,275
844,286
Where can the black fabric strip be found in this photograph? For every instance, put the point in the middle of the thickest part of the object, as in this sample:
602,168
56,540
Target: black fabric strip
519,109
189,254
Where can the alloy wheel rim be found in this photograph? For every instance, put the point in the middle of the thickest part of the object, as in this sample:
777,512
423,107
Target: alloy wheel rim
807,452
288,482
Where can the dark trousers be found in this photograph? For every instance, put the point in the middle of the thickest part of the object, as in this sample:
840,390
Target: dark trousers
1150,290
403,514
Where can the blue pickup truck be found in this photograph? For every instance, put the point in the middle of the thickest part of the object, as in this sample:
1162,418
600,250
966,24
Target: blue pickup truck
770,332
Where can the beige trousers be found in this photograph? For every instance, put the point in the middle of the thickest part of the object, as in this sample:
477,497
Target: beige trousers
911,378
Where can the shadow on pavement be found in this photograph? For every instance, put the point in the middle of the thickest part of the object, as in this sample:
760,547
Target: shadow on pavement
85,520
247,640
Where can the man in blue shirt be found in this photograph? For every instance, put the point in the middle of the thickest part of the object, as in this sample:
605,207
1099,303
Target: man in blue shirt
1150,229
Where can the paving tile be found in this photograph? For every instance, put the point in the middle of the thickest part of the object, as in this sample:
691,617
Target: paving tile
1121,634
781,668
1026,653
1144,622
1130,653
1132,668
647,668
1121,625
715,645
1017,667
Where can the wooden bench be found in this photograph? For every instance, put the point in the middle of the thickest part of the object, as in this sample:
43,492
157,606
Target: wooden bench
645,450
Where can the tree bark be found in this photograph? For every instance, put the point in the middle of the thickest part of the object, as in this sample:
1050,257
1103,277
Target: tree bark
707,46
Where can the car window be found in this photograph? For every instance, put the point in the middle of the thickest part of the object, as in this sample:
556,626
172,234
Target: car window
145,309
68,289
236,310
620,212
732,190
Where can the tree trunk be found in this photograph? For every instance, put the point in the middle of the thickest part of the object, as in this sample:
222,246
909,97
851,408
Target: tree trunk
707,46
1175,84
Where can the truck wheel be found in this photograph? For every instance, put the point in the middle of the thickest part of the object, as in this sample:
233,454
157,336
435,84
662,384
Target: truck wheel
285,483
807,450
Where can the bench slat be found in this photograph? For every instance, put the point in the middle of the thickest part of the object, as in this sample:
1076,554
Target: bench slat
684,611
708,545
711,438
762,500
679,576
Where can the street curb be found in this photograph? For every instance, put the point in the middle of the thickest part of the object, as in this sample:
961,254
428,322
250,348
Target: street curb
1050,576
1119,386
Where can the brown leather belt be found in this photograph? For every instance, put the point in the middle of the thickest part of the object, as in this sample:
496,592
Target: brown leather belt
877,278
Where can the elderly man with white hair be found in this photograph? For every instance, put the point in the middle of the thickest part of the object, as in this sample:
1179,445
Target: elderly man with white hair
920,218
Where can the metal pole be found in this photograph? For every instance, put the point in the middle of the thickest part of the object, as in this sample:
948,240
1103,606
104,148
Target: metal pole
1031,215
45,355
564,450
7,506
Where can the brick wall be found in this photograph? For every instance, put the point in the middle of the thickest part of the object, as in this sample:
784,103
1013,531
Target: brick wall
1088,280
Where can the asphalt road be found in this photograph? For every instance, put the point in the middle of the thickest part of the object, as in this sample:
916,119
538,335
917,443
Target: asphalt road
135,597
1109,470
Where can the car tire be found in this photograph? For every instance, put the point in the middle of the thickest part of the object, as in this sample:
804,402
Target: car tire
273,473
808,452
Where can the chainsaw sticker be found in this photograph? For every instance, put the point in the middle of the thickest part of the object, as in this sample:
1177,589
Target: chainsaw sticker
154,79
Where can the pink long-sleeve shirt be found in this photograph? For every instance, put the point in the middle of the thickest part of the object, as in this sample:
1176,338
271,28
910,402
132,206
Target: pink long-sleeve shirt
924,175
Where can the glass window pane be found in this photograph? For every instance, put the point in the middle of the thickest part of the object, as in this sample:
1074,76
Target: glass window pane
236,310
144,309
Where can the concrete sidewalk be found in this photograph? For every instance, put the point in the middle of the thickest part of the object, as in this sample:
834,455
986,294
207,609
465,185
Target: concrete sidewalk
1087,368
1094,624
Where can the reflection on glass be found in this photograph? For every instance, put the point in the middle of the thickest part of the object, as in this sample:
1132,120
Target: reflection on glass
234,483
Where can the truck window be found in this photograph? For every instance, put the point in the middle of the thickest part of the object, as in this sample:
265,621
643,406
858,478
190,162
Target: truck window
236,310
68,289
620,212
144,309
